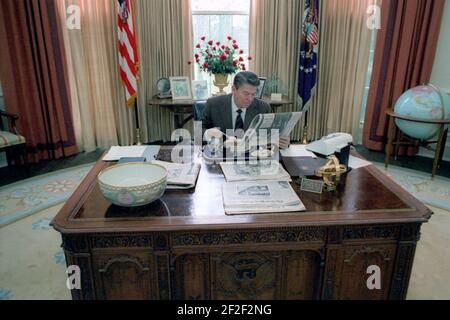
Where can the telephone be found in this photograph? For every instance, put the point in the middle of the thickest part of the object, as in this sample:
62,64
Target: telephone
331,143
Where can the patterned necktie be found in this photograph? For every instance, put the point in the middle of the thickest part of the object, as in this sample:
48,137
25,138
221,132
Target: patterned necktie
239,124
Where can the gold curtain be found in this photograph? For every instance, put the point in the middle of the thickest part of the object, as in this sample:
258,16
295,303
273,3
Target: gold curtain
99,107
344,47
275,27
165,46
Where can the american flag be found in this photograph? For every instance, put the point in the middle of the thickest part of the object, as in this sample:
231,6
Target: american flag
312,34
128,56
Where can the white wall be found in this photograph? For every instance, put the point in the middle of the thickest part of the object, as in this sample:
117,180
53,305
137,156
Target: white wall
440,75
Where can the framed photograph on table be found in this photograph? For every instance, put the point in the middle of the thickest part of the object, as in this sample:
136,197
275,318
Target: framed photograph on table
200,89
260,90
181,88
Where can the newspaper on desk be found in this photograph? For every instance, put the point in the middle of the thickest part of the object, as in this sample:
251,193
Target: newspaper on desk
260,197
180,175
283,122
259,170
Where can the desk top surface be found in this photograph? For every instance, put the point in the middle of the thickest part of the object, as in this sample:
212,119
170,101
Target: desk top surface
366,196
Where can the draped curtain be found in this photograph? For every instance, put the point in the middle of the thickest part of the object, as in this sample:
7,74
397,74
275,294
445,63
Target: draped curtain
275,27
34,77
101,116
165,46
404,57
344,48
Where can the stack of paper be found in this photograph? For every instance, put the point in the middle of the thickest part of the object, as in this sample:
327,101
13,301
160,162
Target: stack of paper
260,170
117,152
180,175
260,197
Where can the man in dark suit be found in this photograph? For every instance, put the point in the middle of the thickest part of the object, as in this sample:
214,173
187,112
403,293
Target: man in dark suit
236,110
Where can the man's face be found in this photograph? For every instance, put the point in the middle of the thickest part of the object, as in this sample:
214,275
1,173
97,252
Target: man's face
244,96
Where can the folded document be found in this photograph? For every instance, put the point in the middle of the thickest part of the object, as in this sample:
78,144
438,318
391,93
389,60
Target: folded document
260,197
180,175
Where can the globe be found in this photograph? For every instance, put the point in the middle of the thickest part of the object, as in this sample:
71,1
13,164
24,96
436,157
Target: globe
424,102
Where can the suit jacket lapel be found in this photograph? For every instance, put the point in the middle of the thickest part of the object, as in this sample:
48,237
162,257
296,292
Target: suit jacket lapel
226,114
249,115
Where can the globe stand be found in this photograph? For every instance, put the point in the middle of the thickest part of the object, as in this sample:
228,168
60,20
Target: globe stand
394,134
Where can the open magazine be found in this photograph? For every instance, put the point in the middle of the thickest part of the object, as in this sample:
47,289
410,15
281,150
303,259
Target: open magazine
264,123
180,175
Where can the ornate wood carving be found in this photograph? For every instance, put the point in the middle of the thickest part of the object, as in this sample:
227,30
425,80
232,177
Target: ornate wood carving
75,243
350,254
246,275
124,276
248,237
371,232
104,265
410,232
123,241
162,264
402,272
330,272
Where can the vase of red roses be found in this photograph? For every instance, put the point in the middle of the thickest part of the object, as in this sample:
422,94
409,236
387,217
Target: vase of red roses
220,59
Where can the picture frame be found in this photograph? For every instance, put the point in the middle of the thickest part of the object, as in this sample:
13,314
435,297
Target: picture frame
181,88
200,90
260,89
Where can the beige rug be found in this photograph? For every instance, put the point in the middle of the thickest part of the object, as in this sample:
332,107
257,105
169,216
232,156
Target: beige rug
32,264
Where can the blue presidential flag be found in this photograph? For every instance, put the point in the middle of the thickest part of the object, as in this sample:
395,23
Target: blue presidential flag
308,51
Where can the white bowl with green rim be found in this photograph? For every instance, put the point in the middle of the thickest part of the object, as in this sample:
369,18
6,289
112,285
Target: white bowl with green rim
133,184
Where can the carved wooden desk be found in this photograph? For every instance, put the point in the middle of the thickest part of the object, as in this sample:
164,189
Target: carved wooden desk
184,246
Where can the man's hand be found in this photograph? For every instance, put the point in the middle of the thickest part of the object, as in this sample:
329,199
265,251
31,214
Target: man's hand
213,133
285,142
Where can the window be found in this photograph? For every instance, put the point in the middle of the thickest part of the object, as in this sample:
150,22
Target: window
368,77
216,19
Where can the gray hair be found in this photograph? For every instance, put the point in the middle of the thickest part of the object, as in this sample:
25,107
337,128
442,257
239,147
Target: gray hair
246,77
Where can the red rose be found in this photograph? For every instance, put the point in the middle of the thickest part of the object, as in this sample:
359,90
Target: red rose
227,51
198,45
207,50
241,51
235,46
243,67
205,65
250,58
196,55
210,42
234,41
229,37
210,55
241,59
223,46
197,60
218,43
234,63
214,48
203,38
223,57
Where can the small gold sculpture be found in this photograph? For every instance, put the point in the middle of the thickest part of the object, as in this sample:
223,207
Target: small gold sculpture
331,173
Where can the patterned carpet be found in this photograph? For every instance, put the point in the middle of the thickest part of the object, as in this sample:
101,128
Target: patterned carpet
27,197
431,191
33,264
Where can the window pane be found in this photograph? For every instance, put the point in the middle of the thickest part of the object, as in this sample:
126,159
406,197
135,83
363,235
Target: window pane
220,5
217,27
